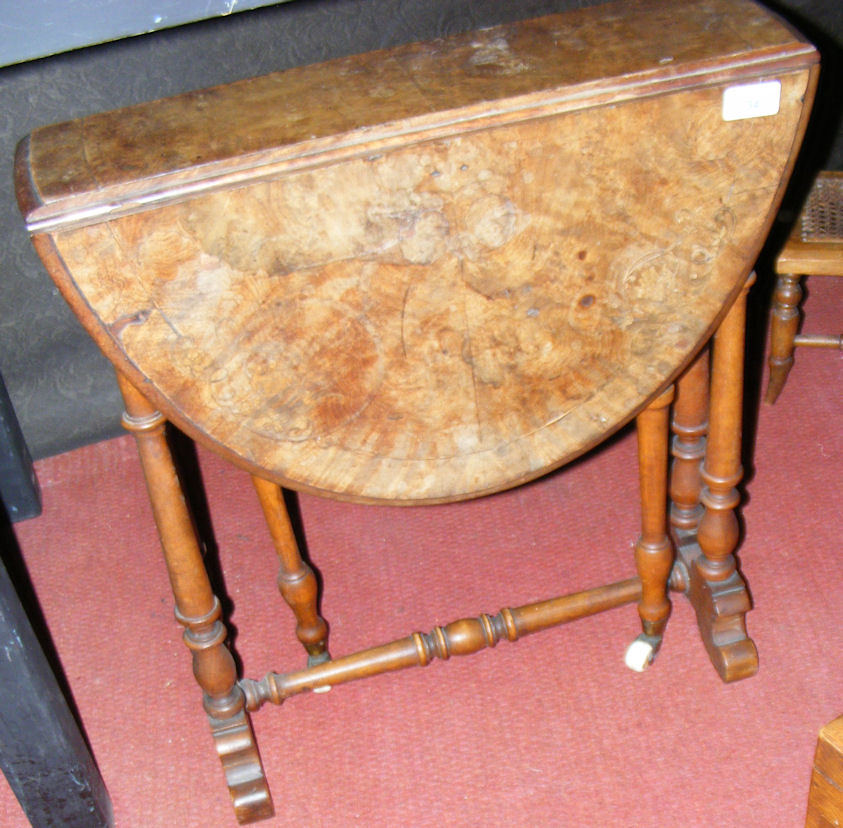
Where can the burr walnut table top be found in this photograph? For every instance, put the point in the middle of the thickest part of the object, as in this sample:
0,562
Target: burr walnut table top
436,271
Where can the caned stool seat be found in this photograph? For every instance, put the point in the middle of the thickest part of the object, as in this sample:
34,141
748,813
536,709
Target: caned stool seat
432,273
815,248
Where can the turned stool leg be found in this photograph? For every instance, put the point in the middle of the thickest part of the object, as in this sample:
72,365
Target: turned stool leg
689,426
716,589
198,610
296,580
784,324
653,551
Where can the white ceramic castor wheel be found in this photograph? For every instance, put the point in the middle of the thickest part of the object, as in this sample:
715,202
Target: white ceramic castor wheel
639,655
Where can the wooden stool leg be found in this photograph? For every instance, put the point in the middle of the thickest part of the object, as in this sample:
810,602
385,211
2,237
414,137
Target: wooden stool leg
296,580
653,551
784,324
198,610
714,587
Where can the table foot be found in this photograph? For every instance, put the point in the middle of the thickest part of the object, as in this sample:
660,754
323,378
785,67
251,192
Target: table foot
238,752
715,588
721,608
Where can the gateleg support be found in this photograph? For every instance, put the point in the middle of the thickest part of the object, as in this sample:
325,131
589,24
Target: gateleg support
296,580
706,569
198,610
653,550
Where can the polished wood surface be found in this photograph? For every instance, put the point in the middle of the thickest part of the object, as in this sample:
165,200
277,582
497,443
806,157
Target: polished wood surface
825,800
706,568
296,580
432,273
198,610
653,550
565,61
815,248
689,426
462,637
478,300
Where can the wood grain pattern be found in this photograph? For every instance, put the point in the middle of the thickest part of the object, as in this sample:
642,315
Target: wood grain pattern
443,320
623,50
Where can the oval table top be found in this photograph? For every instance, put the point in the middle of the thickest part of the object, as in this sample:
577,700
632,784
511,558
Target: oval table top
449,308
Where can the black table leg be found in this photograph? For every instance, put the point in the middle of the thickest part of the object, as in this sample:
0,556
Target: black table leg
18,485
42,752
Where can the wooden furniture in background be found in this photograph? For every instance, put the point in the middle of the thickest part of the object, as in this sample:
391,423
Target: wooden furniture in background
432,273
825,801
815,248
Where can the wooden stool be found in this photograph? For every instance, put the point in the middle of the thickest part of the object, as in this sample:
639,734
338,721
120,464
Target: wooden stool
815,248
433,273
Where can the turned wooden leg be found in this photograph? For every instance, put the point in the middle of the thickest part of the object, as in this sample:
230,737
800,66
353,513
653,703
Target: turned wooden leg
714,586
689,426
653,551
198,610
296,580
784,324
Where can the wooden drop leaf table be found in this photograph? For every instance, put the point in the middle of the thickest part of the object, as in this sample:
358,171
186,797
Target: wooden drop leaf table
431,273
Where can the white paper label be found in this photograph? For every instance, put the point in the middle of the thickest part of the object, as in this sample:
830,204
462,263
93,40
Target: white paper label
751,100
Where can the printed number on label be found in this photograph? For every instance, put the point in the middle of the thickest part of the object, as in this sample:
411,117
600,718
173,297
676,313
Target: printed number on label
751,100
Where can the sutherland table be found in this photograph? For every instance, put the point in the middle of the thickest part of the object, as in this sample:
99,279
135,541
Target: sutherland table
432,273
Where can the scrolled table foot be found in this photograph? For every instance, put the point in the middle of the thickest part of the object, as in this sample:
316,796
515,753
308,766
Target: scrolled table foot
241,763
715,588
721,608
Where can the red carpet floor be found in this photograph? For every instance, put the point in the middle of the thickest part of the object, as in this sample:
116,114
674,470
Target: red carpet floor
549,731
